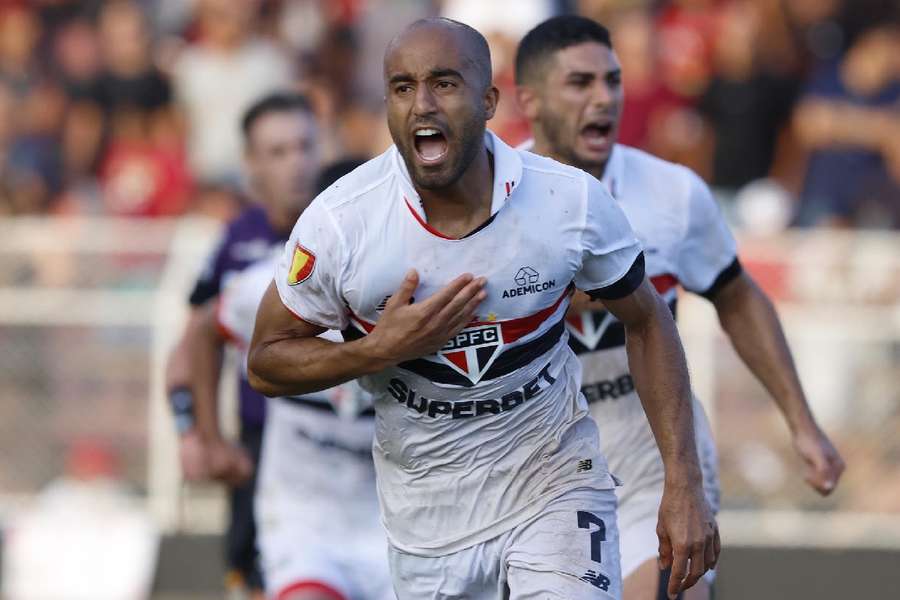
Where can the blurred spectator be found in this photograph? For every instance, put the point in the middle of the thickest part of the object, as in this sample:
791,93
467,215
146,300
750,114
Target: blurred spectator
647,98
143,170
20,32
849,120
745,103
217,77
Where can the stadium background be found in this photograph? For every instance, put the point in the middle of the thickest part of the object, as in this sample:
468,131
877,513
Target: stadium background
120,160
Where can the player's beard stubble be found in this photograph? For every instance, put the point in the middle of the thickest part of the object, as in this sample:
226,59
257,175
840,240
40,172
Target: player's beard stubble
561,145
464,141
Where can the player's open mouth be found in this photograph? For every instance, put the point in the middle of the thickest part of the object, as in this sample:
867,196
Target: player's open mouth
597,135
431,145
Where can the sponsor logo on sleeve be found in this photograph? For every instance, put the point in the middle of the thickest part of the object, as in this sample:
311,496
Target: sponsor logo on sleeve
302,265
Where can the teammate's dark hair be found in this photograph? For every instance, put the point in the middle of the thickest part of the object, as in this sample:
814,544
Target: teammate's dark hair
555,34
275,102
335,171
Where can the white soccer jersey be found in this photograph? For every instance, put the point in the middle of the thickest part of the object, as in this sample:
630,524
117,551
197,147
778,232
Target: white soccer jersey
686,242
316,505
236,317
480,436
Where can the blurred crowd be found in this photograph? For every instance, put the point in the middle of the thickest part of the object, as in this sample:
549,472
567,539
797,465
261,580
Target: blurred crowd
789,108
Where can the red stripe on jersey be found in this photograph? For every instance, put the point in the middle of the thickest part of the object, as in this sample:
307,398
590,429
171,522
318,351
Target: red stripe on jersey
422,222
513,329
508,188
362,323
664,283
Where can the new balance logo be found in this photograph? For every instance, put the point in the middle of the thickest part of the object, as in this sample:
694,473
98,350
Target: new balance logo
584,465
596,579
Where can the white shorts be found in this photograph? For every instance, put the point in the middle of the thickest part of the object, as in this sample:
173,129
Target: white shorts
640,497
318,525
568,552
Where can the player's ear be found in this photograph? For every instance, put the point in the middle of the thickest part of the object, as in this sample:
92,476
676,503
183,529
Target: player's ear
491,99
529,101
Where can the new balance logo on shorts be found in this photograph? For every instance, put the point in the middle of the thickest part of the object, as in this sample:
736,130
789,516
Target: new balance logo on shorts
596,579
584,465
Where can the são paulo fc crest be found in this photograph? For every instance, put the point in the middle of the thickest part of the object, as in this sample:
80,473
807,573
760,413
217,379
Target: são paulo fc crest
473,350
302,264
588,326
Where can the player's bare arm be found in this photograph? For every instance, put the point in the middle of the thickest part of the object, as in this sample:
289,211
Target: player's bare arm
222,460
749,318
287,359
688,535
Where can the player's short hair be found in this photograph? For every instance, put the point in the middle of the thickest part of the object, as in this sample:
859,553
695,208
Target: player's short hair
275,102
554,34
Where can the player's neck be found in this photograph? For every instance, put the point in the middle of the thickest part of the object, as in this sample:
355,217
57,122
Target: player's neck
542,146
461,207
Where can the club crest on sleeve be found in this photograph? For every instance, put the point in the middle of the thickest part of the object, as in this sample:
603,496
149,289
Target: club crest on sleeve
302,265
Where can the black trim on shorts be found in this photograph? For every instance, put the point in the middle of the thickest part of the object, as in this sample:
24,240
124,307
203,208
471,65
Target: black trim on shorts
506,363
726,276
625,285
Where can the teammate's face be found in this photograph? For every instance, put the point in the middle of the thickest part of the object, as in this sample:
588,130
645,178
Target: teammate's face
282,158
576,105
437,104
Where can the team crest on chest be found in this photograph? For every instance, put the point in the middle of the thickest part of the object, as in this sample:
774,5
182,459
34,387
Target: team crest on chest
473,350
588,327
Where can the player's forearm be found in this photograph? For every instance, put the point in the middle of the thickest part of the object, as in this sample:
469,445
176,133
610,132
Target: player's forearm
178,367
206,350
292,366
751,323
657,363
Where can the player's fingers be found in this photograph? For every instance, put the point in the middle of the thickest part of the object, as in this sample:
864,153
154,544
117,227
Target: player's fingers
665,547
717,547
446,294
459,304
698,565
710,555
679,570
405,292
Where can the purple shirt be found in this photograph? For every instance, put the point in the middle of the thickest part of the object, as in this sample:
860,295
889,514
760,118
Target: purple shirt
247,239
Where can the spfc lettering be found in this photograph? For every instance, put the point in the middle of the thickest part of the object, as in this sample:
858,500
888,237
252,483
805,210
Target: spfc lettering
473,350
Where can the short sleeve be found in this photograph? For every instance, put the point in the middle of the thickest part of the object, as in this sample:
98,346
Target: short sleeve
611,259
239,301
209,282
708,249
308,274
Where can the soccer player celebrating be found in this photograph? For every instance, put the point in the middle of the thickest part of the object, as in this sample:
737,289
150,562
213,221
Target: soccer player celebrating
448,262
569,86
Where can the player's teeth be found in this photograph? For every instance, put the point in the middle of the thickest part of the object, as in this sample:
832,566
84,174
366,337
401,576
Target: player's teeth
423,132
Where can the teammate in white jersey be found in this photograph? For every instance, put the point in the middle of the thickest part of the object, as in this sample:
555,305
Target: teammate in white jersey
570,89
316,505
489,472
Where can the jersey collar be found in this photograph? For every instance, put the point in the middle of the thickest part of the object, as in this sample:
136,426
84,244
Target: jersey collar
507,174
